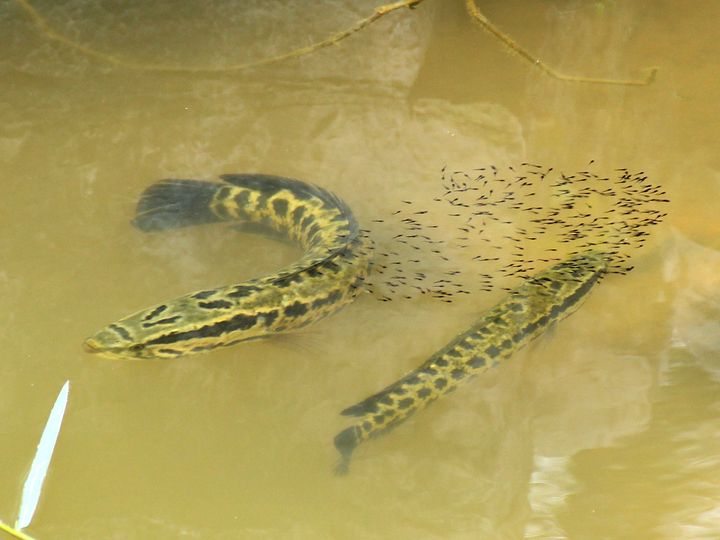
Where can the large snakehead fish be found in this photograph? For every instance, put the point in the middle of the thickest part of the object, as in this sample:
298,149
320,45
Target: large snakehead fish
332,271
329,275
523,315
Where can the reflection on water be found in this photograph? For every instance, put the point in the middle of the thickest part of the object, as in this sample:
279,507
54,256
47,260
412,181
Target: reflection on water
604,428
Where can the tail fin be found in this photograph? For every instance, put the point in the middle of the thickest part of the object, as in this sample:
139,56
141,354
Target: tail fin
345,442
171,203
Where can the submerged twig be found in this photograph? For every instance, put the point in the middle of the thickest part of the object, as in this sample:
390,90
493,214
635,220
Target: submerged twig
42,25
483,21
51,34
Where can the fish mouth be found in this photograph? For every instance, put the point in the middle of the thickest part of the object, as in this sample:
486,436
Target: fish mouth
91,346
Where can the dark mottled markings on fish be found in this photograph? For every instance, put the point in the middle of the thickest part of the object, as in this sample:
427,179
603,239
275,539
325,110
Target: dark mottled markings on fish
242,199
327,300
168,320
237,322
295,309
155,312
120,331
280,206
216,304
203,294
424,393
405,403
477,362
329,275
298,214
240,291
511,324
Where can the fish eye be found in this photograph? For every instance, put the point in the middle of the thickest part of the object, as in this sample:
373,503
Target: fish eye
136,348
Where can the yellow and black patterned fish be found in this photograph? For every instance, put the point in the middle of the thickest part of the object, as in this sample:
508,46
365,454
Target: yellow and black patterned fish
526,312
329,275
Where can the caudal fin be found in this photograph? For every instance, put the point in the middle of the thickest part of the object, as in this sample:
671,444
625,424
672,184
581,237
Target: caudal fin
173,203
345,442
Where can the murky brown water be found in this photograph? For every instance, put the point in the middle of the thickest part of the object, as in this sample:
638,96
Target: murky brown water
606,428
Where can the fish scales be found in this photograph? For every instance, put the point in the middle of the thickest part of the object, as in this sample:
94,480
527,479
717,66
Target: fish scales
329,275
523,315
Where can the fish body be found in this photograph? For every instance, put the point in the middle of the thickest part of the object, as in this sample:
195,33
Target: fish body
523,315
330,274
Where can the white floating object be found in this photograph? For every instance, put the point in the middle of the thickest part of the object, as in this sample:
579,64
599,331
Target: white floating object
38,469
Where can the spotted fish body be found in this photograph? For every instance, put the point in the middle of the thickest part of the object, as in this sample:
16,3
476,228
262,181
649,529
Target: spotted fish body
329,275
510,325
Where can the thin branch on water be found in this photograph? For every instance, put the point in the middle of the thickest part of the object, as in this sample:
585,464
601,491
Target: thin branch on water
42,25
476,15
485,24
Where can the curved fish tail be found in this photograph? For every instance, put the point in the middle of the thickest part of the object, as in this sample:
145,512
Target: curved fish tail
346,441
174,203
523,315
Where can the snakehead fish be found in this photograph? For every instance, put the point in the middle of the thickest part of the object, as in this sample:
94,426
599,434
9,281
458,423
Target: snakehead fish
329,275
523,315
